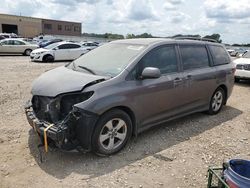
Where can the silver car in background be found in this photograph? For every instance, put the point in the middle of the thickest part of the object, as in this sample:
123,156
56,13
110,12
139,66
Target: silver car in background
16,46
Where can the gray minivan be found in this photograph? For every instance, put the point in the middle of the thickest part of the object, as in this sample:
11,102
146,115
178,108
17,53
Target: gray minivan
97,102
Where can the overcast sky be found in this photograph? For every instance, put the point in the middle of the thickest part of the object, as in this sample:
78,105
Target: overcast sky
230,18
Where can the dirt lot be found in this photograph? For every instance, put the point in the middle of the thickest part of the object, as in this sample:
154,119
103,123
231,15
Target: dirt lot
173,155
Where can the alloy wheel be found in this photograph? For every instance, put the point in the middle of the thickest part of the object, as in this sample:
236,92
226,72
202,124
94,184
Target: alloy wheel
217,101
113,134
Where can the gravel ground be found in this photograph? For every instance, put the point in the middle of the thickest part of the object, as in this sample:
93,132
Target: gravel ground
176,154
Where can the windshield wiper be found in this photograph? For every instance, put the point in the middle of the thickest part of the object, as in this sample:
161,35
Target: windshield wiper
87,69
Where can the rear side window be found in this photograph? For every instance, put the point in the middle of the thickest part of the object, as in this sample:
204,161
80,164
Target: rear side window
220,55
5,42
194,57
8,42
163,58
16,42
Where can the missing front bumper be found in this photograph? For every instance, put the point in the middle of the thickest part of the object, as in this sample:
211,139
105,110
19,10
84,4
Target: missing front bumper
59,134
73,132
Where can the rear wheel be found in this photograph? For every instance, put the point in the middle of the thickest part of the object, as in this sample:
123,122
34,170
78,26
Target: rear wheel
27,52
112,132
48,58
217,101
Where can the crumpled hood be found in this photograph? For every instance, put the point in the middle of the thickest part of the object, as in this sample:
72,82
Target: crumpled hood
62,80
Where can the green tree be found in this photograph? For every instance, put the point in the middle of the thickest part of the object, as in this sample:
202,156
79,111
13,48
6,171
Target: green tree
130,36
181,35
143,35
214,36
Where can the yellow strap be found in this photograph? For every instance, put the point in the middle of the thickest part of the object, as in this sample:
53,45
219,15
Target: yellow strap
45,137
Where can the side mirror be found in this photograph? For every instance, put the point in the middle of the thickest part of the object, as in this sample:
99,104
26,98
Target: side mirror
56,48
150,72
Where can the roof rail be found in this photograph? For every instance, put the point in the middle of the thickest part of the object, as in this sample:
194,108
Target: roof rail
196,38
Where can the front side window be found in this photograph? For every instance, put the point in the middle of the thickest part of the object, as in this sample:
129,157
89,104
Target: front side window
68,46
51,46
64,46
73,46
220,56
163,58
194,57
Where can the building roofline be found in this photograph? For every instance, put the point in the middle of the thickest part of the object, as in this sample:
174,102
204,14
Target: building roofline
42,19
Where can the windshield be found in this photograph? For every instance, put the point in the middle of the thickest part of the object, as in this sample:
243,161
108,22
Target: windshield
51,46
246,55
109,59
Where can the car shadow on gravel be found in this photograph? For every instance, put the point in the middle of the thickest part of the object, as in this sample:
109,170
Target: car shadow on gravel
61,164
11,55
243,83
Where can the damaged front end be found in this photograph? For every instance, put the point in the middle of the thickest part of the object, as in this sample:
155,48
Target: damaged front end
57,121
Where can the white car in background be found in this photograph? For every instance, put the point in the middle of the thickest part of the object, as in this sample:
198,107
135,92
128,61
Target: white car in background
58,52
16,46
242,67
89,45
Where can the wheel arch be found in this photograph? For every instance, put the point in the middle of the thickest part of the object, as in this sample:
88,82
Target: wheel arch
224,87
26,50
130,113
46,55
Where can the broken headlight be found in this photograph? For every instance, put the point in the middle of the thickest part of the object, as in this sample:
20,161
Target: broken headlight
67,101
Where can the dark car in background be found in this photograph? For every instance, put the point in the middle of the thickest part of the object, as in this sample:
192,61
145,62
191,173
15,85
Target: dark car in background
97,102
46,43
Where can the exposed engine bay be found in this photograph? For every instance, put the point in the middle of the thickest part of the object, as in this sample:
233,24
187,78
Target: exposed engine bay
54,110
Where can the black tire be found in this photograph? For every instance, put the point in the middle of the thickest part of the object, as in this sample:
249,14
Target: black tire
48,58
27,52
115,117
216,104
237,80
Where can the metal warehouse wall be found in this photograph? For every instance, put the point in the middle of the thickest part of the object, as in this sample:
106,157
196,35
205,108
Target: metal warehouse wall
27,26
31,27
56,27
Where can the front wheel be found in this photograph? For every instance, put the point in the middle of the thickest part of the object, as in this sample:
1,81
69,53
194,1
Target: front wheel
217,101
112,132
48,58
